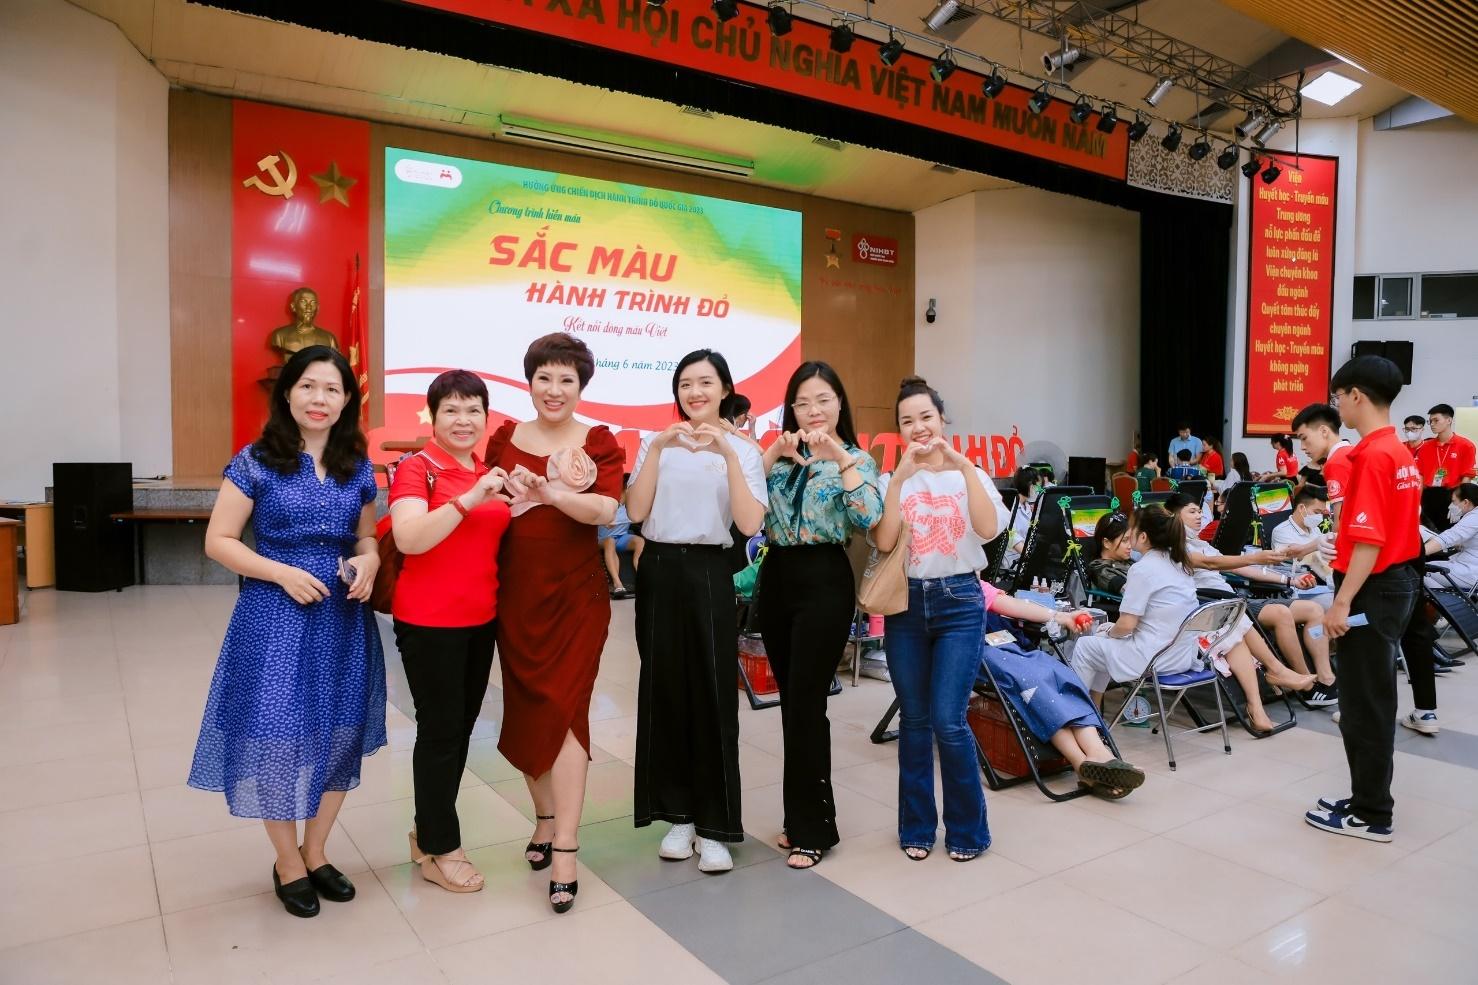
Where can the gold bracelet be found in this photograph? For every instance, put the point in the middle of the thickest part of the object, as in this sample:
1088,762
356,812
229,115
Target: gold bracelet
845,468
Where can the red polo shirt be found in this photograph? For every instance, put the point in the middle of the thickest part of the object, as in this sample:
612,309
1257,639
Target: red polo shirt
1337,472
456,582
1382,502
1287,463
1455,460
1212,463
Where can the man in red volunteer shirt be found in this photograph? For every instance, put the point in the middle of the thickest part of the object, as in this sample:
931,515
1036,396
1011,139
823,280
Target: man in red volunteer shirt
1317,429
1447,459
1377,539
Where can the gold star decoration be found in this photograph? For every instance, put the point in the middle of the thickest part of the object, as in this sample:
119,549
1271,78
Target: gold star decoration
424,415
833,262
333,185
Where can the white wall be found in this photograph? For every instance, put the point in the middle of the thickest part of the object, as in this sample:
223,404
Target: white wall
1417,211
1038,317
84,265
1408,202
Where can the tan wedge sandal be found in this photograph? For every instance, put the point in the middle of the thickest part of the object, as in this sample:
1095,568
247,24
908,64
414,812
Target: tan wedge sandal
431,871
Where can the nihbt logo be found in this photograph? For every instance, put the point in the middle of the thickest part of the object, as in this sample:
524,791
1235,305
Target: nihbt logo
881,250
1360,518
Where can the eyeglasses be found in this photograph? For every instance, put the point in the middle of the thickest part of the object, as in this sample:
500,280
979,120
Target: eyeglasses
823,404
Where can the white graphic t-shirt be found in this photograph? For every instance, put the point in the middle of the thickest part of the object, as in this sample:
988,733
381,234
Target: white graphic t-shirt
942,542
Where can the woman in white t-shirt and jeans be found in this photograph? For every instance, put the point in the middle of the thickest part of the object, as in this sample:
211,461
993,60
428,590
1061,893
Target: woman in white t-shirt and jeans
952,510
689,484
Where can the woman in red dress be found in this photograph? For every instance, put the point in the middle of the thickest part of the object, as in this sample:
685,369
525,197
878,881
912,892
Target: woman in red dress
565,477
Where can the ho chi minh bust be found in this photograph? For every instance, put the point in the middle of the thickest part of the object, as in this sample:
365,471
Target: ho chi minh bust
288,339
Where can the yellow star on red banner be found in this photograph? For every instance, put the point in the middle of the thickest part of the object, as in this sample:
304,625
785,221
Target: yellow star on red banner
333,185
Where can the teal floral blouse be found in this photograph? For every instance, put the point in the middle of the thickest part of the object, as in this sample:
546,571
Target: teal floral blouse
809,506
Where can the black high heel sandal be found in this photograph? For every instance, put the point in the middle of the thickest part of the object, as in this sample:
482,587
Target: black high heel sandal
555,888
542,847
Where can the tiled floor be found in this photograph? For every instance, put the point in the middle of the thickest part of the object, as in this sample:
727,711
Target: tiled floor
111,870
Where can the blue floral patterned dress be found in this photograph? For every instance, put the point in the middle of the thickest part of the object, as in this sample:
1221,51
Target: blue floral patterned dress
298,695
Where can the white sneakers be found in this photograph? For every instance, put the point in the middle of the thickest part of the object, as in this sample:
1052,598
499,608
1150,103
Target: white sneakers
713,856
678,844
1424,722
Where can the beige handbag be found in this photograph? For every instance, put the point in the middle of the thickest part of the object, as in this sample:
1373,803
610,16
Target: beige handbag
882,590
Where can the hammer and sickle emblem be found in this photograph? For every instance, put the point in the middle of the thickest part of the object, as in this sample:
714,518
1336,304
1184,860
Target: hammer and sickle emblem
281,185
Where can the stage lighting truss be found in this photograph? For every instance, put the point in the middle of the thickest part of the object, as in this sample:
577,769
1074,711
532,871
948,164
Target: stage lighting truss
1103,34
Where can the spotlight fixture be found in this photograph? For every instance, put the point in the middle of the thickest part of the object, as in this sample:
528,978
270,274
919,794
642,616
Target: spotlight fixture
1171,142
1108,118
1254,122
1082,109
1199,149
1039,100
779,19
1268,132
1270,173
944,66
725,10
891,51
941,14
1251,167
994,84
1158,91
842,36
1053,61
1228,157
1138,129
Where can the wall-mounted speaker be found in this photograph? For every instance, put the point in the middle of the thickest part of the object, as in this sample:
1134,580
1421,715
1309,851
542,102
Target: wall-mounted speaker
1398,352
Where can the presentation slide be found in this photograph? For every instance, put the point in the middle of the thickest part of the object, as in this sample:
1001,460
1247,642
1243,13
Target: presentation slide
481,259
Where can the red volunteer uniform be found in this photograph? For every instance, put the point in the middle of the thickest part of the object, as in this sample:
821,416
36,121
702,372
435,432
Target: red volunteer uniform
1213,464
1446,464
1382,502
1337,472
1288,464
455,584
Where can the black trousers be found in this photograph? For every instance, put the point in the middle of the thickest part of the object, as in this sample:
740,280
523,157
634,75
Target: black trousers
806,603
687,714
1367,688
1416,647
447,670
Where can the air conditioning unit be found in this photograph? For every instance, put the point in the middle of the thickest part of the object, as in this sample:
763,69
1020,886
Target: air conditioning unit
621,147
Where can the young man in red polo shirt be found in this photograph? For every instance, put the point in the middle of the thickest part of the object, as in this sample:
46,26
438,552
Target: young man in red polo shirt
1374,578
1447,459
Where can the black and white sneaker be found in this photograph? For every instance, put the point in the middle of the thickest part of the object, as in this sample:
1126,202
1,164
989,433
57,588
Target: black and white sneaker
1339,823
1322,695
1333,803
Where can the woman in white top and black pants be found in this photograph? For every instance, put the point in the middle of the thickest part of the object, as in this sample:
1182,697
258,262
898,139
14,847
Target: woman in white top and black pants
689,484
952,510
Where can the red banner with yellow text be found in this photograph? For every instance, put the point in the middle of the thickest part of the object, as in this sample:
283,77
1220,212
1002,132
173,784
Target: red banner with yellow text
1290,293
802,63
299,218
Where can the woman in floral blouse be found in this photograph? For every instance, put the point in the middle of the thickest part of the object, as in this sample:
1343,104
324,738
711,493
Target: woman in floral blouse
822,490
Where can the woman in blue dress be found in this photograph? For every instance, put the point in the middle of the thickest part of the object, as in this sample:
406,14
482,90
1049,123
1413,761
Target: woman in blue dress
298,695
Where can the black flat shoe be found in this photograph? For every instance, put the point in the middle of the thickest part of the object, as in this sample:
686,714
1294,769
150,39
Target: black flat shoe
298,897
557,888
331,884
542,847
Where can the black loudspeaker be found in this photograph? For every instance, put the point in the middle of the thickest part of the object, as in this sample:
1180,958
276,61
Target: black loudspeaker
1087,472
93,553
1398,352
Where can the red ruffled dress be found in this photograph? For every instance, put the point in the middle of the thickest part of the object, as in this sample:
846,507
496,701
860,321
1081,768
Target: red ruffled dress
554,610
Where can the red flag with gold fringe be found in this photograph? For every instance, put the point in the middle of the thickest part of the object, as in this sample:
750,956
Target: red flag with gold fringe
358,345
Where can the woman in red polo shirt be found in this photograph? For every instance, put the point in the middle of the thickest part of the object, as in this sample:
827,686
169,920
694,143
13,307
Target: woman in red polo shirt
566,479
448,513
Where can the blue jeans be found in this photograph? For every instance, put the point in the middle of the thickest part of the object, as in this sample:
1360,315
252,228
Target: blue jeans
933,652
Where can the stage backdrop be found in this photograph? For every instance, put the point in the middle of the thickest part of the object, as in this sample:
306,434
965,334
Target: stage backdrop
1290,293
483,258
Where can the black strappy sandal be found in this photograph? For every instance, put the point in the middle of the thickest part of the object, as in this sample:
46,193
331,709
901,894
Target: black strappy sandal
814,854
555,888
914,848
542,847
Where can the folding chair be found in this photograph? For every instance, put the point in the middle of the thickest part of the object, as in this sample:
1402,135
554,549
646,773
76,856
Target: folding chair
1460,609
1080,516
1253,509
1194,488
1046,542
1206,624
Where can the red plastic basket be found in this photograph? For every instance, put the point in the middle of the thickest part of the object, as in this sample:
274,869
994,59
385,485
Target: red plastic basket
997,741
757,666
